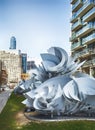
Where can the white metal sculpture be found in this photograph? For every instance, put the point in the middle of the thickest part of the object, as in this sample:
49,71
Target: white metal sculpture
57,87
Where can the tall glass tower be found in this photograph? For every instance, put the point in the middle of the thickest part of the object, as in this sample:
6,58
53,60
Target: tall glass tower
13,43
83,33
24,62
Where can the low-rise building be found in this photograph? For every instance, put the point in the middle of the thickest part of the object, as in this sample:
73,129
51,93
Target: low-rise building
3,76
12,61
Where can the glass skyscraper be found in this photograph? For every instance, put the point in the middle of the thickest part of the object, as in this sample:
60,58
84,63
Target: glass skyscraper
13,43
24,62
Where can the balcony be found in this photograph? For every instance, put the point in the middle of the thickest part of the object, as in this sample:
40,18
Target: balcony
90,39
77,5
73,37
76,46
89,63
93,61
85,30
85,53
74,18
76,25
85,8
73,1
89,16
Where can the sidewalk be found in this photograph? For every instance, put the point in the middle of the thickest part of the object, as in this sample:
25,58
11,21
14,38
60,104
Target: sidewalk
4,98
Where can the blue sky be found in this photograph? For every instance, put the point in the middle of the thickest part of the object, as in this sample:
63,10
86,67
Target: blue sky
36,24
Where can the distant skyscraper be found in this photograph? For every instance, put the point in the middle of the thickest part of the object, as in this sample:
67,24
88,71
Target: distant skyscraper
24,62
31,65
13,43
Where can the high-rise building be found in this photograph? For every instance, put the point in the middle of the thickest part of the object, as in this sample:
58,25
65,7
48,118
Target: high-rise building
24,62
13,43
30,65
83,33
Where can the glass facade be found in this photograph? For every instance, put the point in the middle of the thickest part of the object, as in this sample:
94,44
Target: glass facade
13,43
24,62
31,65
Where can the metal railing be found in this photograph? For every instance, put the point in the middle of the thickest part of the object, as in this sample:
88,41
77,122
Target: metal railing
85,52
79,22
73,36
85,28
75,45
88,38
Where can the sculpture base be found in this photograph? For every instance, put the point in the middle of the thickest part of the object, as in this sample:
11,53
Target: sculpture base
36,116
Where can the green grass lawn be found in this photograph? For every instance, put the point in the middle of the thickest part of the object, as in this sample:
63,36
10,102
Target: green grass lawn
8,120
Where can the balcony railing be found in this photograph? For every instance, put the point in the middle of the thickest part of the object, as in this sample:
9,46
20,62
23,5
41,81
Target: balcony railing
77,5
89,39
89,27
76,25
74,17
73,37
89,63
90,15
76,45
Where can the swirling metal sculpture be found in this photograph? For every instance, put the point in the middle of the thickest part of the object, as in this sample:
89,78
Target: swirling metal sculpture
57,87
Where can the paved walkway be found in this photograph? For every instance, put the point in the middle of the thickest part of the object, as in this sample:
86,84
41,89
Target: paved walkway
4,98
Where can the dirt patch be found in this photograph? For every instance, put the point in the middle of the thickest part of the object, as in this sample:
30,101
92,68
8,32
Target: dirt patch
21,119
